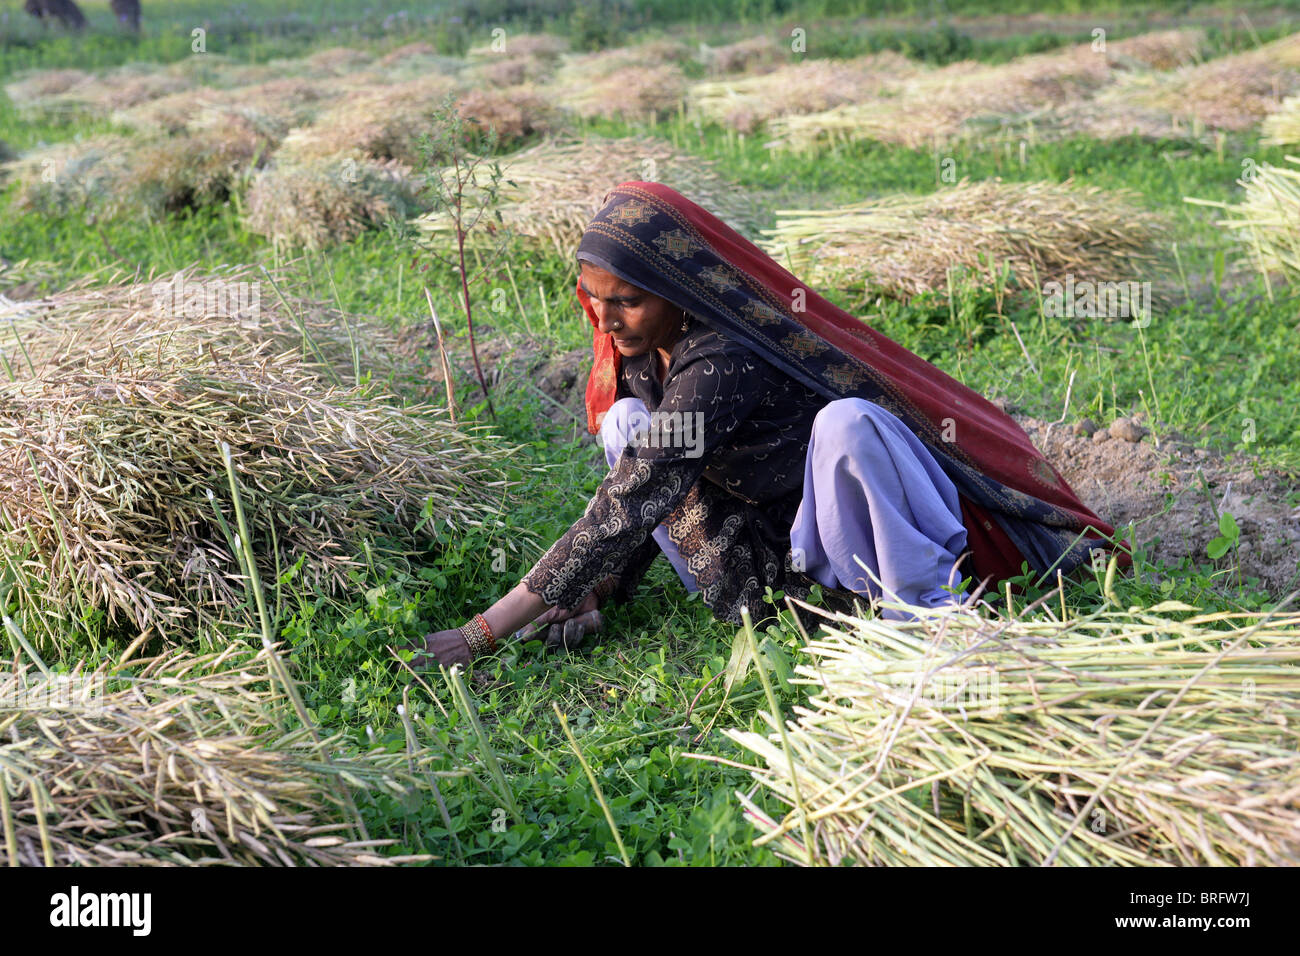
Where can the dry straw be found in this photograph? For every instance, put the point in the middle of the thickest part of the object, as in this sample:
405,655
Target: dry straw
122,175
635,93
516,113
556,187
315,203
182,761
91,320
380,121
544,45
92,173
640,82
273,107
938,104
411,59
1230,93
111,491
905,245
1266,221
31,89
1283,127
1160,50
1120,738
511,60
810,87
75,95
756,54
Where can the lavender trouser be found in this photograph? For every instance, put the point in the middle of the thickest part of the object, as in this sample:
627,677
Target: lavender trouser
872,494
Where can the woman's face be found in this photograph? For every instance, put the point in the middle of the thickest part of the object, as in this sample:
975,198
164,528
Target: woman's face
639,321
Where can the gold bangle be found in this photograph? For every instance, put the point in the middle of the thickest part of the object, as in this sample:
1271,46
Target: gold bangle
478,636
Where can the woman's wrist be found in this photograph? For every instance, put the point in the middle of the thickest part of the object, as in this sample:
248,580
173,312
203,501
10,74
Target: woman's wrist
479,636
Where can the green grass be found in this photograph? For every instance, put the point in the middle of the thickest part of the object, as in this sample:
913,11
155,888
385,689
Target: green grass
639,699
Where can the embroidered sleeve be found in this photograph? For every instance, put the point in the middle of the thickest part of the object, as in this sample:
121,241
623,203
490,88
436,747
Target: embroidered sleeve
702,405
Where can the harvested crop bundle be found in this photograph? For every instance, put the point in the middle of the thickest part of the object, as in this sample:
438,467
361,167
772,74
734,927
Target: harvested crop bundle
758,53
636,82
318,202
555,187
1117,738
515,113
218,70
32,88
1283,127
128,176
809,87
113,491
1266,222
182,760
202,168
938,104
336,60
75,95
514,59
1112,114
607,63
904,245
642,93
273,107
1230,93
383,121
191,312
74,176
1159,50
544,45
508,71
415,59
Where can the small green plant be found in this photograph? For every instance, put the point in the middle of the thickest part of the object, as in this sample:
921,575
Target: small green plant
462,183
1229,535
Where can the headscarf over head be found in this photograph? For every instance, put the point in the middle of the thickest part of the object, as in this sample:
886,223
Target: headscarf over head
658,240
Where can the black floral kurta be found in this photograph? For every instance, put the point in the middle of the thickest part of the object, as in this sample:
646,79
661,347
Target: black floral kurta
728,510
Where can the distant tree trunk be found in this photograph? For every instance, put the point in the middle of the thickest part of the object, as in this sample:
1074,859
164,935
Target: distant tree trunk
127,13
65,11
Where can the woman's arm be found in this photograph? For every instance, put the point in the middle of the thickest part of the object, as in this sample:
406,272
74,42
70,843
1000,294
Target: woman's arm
714,390
515,611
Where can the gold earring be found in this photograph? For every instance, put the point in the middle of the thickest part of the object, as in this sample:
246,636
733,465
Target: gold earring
686,322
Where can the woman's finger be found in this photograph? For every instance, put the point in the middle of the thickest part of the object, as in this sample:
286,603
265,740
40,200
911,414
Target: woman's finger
571,633
539,623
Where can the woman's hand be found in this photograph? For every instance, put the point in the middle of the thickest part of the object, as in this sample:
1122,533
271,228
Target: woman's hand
566,628
446,647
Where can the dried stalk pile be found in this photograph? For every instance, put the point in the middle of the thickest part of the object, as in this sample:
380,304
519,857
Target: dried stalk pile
182,761
315,203
113,492
1266,222
1229,93
1119,738
556,187
1283,127
380,121
640,82
939,105
230,310
905,245
123,175
745,102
